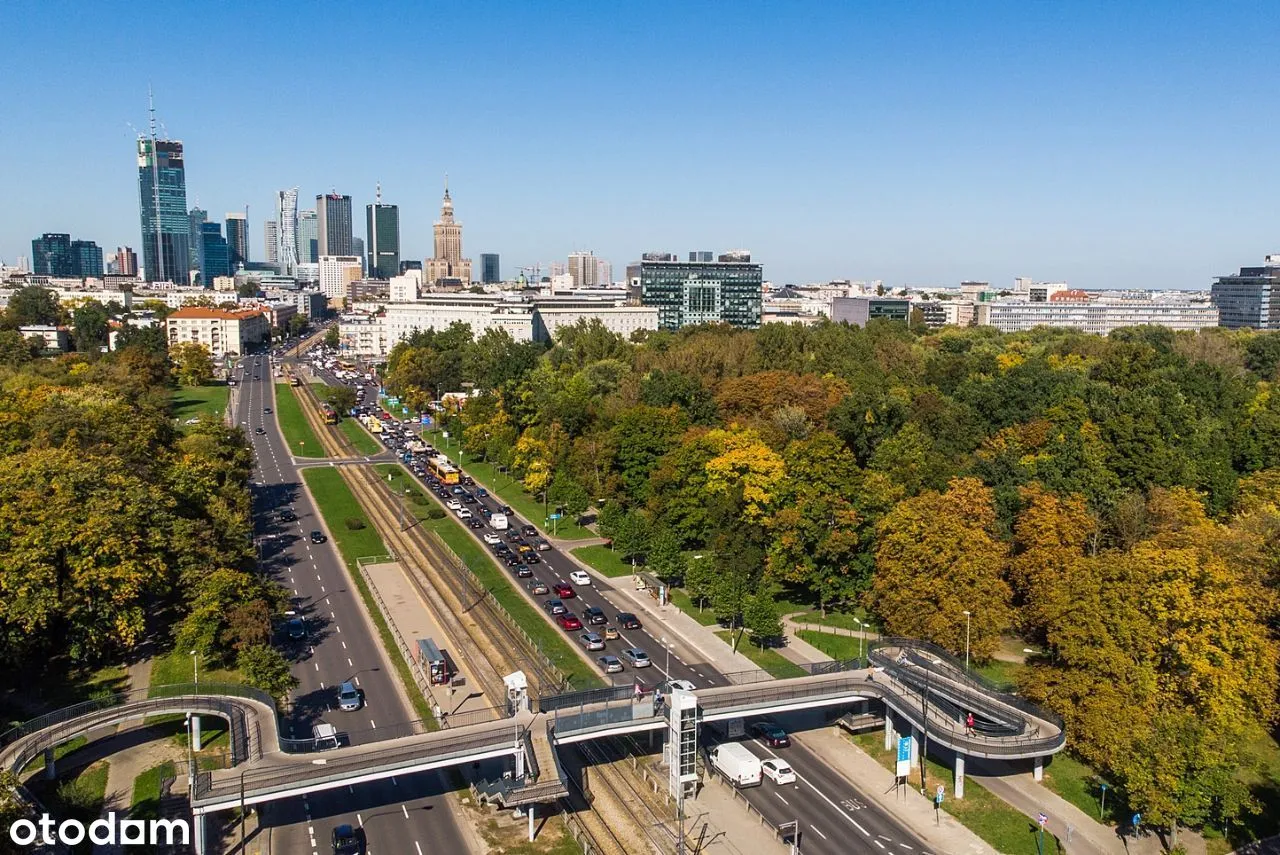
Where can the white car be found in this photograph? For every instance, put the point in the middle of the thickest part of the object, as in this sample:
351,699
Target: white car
465,514
491,538
578,577
778,771
453,505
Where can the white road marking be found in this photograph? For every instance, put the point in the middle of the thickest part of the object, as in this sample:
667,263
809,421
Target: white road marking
878,843
374,723
360,820
317,666
781,799
821,794
343,643
416,846
817,832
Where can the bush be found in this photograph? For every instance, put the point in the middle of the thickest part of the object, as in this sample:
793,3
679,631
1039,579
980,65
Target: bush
435,513
354,523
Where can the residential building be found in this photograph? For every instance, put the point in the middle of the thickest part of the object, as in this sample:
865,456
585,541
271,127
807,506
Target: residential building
312,303
333,225
308,237
479,311
215,253
337,272
947,313
723,291
51,255
1099,315
55,338
223,331
490,272
363,336
1251,298
404,288
1036,292
447,268
237,239
162,203
858,310
287,233
271,241
550,314
382,227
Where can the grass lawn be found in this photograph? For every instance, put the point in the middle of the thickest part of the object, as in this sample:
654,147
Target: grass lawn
835,646
359,437
526,505
337,504
1077,782
604,560
79,796
997,823
680,600
1003,674
177,667
188,402
58,753
297,431
551,641
146,791
768,659
840,620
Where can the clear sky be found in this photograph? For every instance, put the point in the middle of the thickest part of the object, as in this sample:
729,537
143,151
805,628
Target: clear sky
1108,144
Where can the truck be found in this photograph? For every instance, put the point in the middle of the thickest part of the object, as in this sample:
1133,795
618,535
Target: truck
498,522
736,763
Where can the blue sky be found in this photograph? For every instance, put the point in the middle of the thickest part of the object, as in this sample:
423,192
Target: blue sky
1107,144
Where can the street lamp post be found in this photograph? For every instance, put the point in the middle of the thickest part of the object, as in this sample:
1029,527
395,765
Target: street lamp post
195,666
667,645
968,615
861,634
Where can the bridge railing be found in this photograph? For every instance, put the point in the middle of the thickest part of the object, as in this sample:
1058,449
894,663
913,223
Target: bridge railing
759,675
586,697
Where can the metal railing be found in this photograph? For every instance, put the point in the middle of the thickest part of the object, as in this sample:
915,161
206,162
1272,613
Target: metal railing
565,700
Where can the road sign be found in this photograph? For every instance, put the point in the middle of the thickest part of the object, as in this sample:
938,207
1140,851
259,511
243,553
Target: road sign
1042,819
426,420
554,516
937,797
904,756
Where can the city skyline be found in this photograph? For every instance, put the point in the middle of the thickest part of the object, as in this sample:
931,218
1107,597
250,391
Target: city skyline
910,145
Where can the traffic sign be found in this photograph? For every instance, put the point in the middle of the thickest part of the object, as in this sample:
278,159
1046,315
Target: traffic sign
1042,819
904,756
554,516
938,795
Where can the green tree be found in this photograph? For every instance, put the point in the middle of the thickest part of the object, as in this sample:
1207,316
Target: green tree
265,668
32,305
247,288
15,350
665,559
760,617
90,320
191,363
700,577
332,337
341,398
296,324
640,436
631,534
565,492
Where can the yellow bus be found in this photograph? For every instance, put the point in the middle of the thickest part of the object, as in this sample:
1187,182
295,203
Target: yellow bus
373,423
440,467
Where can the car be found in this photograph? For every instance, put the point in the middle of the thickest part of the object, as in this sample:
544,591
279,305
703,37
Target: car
349,697
518,542
528,531
591,640
506,509
501,549
594,615
485,512
579,577
317,536
255,377
542,544
266,411
296,628
511,559
456,490
287,515
468,480
468,498
610,664
564,592
667,685
770,733
636,657
453,505
569,621
491,538
530,556
554,607
610,632
778,771
464,514
442,493
475,522
259,431
348,840
482,492
537,587
523,571
627,620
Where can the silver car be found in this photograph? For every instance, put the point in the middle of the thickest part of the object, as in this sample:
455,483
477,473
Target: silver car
591,641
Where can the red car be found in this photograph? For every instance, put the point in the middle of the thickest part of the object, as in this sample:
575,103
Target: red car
569,621
565,591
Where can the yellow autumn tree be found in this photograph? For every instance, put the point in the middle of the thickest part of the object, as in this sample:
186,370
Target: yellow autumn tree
743,461
937,555
1050,537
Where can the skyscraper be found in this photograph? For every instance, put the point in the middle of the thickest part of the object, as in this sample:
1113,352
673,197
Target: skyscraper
448,267
162,202
271,241
214,253
237,239
333,223
197,217
86,259
51,255
489,269
287,236
126,261
583,269
308,238
382,224
357,249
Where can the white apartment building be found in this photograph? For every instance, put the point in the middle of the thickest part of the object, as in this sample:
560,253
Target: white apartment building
550,315
1099,316
404,288
337,272
363,336
479,311
222,331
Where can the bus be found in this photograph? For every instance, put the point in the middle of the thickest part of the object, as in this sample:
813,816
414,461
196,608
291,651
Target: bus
329,414
440,467
295,381
346,365
372,423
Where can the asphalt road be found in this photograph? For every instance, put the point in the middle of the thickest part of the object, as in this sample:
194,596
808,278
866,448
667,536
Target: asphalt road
835,816
405,815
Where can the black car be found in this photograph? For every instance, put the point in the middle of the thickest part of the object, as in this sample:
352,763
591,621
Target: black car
348,840
317,536
266,410
511,559
443,493
594,615
500,549
259,431
287,515
530,556
475,522
627,620
523,571
468,480
513,536
770,733
528,531
506,509
468,499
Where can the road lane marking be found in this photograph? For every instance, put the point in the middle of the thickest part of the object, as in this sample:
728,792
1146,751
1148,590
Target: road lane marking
878,843
349,665
343,643
781,799
821,794
818,832
416,846
360,820
317,666
374,723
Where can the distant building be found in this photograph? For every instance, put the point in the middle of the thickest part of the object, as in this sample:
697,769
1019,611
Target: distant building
404,288
271,241
337,272
583,269
308,237
490,272
287,234
685,293
86,259
947,313
196,218
222,331
408,264
333,225
237,239
357,249
1251,298
1099,316
312,303
556,312
55,338
859,310
701,257
382,226
126,261
162,201
215,253
51,255
447,268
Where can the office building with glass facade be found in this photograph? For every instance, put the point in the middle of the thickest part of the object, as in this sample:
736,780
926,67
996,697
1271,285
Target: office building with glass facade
700,292
490,271
51,254
215,253
86,259
162,202
1250,299
333,224
308,237
237,239
382,225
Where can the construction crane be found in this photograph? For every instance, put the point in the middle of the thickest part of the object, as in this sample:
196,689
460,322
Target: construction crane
536,270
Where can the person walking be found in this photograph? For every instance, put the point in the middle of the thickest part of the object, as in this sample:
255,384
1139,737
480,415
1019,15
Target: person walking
968,724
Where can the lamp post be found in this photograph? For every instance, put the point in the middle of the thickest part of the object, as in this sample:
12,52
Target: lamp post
195,666
968,615
667,645
861,634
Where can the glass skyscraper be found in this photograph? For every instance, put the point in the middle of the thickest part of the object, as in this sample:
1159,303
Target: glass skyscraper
699,292
51,255
162,201
308,237
334,224
490,273
382,224
215,254
86,259
237,239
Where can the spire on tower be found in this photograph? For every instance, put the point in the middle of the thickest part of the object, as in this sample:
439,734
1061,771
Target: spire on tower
446,185
151,106
378,195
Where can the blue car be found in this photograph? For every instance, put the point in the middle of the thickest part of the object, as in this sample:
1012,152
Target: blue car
482,492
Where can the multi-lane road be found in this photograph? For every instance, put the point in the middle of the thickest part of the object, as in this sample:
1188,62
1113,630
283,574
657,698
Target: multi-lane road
405,815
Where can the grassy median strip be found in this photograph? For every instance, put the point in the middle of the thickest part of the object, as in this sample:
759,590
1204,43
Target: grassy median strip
551,641
337,505
297,431
360,438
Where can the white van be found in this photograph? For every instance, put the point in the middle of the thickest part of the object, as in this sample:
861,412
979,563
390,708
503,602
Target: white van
736,763
498,522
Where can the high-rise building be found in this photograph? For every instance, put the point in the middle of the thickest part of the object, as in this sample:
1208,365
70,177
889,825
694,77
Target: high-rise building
197,217
271,241
583,269
382,225
724,291
490,272
308,238
51,254
1251,298
357,249
215,253
237,239
287,236
604,273
410,264
86,259
448,267
162,203
333,223
126,261
337,272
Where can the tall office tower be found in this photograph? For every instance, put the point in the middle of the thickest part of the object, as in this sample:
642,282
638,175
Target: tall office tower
238,239
382,225
86,259
448,267
51,255
126,261
162,203
357,249
723,291
197,217
308,238
337,272
333,223
583,269
1249,299
215,253
271,241
287,236
604,273
490,272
